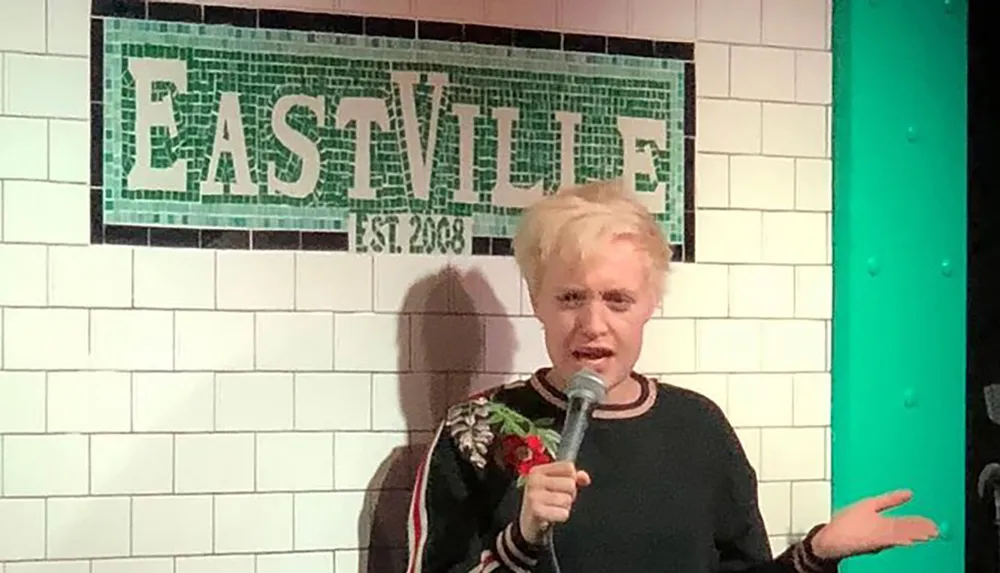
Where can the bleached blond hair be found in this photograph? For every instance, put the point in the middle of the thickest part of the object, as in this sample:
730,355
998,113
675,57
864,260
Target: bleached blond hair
575,223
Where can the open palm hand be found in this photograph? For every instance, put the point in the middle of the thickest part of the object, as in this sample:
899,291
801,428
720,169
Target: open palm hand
861,528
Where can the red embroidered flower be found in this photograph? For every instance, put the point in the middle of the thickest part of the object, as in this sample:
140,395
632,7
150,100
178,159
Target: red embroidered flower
524,453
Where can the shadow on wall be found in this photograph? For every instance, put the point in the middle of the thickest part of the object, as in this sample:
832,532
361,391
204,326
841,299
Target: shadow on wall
446,351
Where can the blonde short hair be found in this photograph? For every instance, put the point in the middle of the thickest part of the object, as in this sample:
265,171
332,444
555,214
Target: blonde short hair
575,222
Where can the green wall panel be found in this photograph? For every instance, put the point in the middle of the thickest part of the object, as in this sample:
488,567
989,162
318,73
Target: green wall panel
899,258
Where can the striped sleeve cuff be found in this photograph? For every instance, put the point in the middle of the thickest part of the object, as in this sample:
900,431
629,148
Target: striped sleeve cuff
806,560
514,550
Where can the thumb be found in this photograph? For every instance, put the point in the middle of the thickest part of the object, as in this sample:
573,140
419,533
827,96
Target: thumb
891,499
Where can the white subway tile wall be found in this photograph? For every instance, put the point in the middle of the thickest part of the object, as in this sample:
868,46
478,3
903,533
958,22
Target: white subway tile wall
186,411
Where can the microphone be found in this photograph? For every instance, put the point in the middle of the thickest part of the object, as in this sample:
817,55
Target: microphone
584,391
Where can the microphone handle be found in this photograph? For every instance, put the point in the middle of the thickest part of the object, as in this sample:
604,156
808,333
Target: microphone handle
575,426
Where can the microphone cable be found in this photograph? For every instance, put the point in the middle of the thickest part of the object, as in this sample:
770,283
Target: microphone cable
550,543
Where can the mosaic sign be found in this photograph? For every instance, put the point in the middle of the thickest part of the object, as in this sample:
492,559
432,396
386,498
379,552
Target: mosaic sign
406,145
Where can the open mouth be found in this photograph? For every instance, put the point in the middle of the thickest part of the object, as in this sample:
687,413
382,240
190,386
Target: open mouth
592,354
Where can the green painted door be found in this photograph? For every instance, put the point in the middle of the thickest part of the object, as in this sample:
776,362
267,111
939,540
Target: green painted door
899,257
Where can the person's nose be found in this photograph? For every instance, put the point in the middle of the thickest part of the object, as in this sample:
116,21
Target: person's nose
592,319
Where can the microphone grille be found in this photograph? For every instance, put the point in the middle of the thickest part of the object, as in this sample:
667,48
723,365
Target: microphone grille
586,384
992,395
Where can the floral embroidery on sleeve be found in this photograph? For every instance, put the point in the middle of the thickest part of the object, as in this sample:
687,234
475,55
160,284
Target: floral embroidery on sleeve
523,443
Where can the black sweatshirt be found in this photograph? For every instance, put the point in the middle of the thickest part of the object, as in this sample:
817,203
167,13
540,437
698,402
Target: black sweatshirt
672,489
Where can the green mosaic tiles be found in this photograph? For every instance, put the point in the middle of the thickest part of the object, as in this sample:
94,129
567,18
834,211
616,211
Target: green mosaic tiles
410,146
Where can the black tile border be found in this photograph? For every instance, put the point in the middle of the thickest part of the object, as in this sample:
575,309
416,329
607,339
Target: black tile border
184,237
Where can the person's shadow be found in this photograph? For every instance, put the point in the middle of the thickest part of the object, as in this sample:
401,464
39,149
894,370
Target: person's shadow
446,351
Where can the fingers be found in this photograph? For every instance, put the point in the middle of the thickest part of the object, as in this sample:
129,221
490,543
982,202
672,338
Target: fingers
551,490
891,499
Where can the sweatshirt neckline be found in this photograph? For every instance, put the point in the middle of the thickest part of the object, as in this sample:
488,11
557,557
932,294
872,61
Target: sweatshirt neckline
647,396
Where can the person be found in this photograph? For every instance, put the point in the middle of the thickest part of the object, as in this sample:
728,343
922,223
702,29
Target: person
661,482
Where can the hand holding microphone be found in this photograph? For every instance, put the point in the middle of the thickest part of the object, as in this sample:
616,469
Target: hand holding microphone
551,489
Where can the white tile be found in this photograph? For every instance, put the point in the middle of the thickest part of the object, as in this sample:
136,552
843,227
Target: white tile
88,402
728,126
171,525
408,401
811,505
333,281
131,464
332,401
45,465
253,523
69,149
813,77
794,238
736,21
24,274
22,28
761,182
49,567
173,401
411,284
663,19
761,73
294,461
594,16
22,402
174,278
532,14
446,342
775,501
795,23
778,543
668,346
814,292
255,280
364,460
1,182
87,527
22,529
132,339
761,291
377,7
813,184
213,340
371,342
760,400
294,341
791,454
351,559
471,11
330,520
92,276
485,285
711,172
213,463
793,346
23,147
314,562
134,565
68,29
254,401
728,345
216,564
47,86
712,64
711,386
728,236
64,208
45,339
514,344
828,458
696,290
812,399
794,130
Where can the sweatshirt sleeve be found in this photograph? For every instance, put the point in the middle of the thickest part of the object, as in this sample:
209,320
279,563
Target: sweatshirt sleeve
742,538
449,520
